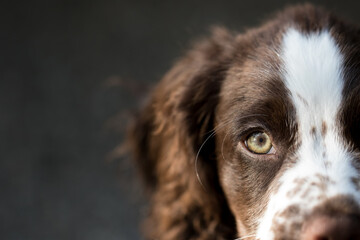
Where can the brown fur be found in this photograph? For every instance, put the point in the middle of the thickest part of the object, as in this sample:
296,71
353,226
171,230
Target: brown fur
186,139
166,138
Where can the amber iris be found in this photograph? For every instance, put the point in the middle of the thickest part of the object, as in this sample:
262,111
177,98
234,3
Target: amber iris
259,143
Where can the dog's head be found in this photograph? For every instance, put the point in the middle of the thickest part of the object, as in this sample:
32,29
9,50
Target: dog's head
257,135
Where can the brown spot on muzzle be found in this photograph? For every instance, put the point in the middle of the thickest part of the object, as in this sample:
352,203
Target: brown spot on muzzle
291,227
323,129
313,132
290,211
299,184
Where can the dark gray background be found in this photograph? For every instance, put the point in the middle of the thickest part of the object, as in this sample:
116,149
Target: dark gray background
71,72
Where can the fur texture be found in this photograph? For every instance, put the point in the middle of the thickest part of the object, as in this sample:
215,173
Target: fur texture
294,78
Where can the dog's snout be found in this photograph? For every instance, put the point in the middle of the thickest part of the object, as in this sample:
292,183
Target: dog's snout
332,228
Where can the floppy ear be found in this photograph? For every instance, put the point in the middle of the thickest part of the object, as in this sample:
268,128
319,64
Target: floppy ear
166,138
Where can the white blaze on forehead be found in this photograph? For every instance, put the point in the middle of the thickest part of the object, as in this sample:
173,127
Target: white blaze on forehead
312,72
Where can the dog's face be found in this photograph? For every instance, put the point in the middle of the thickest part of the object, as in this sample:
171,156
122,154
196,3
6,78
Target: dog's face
268,122
287,142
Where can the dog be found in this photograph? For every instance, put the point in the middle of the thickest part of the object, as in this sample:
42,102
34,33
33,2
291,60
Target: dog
257,135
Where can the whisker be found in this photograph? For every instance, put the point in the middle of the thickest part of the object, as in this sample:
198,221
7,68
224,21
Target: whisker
213,133
222,146
197,157
222,124
248,236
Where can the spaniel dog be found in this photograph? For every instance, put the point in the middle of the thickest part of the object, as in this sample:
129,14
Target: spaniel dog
257,135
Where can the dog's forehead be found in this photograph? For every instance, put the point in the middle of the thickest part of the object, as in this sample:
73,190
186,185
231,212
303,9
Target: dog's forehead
319,72
313,74
318,67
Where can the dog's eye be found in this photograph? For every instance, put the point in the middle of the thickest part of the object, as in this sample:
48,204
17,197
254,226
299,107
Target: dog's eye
259,143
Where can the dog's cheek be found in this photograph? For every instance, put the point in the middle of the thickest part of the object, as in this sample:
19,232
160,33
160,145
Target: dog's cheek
237,191
232,188
245,182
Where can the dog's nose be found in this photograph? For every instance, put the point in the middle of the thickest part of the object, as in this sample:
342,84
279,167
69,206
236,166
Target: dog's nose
332,228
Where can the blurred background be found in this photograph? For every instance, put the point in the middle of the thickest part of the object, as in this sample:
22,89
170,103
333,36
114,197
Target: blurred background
72,72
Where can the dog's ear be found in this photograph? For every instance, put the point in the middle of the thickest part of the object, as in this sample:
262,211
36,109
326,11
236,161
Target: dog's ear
167,136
